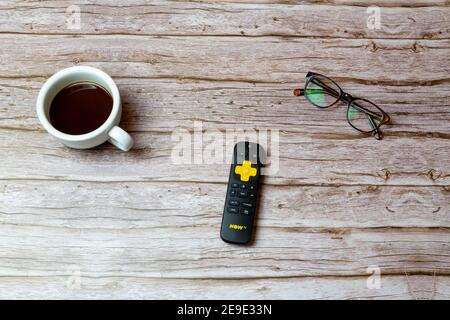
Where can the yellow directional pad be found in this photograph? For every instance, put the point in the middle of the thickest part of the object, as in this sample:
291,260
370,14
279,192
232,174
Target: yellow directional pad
245,171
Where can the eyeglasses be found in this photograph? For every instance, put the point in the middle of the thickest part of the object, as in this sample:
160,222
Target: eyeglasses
363,115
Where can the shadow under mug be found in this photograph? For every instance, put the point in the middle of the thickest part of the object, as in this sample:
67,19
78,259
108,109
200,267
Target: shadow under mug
108,131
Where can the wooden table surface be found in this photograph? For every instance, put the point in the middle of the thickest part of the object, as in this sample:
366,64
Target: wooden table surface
108,224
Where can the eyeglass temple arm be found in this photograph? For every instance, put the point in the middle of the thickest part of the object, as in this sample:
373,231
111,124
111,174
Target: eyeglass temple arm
331,91
376,133
366,111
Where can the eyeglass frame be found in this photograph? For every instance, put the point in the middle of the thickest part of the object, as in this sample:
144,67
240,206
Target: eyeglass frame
349,100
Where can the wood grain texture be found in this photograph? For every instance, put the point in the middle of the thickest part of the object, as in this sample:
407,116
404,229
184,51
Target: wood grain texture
206,19
60,287
363,3
254,60
135,225
195,251
335,3
133,204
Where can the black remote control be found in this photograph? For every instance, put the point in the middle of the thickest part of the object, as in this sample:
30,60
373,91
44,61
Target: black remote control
242,193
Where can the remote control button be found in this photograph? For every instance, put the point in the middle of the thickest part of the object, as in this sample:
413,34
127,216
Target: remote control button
233,203
246,211
233,192
243,186
247,204
252,187
242,194
233,210
252,195
234,185
245,171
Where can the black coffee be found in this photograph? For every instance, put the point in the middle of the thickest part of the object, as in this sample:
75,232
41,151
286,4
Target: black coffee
80,108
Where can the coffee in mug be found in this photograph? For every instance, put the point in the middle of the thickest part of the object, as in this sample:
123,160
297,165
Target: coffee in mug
80,108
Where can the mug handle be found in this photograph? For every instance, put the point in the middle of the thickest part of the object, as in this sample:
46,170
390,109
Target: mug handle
120,138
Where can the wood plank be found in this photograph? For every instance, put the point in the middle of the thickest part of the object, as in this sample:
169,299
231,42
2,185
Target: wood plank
365,3
158,105
301,162
313,149
135,205
423,287
195,251
250,19
126,3
254,60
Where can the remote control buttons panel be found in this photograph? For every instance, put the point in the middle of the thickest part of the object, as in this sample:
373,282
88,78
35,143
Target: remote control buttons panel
242,195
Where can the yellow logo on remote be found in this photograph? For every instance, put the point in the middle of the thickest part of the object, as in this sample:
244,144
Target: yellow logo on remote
245,171
237,227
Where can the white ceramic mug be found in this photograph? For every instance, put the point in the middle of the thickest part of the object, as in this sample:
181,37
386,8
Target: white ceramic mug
108,131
